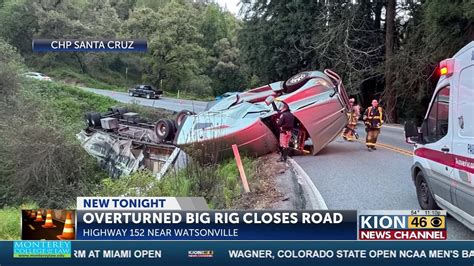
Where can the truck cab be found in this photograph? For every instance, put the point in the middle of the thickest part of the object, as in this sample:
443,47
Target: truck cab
443,166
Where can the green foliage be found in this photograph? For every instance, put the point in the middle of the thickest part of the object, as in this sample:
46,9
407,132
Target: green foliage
40,159
226,71
181,39
73,76
18,24
10,221
219,184
173,42
10,69
281,38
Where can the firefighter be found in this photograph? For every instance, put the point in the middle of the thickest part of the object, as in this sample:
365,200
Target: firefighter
285,122
373,118
349,131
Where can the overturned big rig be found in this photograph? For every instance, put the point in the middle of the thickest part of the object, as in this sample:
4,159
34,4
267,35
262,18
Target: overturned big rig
123,142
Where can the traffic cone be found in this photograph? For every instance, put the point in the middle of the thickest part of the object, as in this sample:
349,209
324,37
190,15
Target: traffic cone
68,231
39,217
49,221
33,214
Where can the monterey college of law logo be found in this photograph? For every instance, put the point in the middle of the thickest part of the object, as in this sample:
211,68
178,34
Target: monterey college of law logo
41,249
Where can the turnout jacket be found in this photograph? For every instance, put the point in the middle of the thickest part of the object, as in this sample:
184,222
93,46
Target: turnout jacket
373,117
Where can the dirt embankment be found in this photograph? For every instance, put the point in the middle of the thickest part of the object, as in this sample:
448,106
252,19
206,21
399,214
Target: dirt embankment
273,187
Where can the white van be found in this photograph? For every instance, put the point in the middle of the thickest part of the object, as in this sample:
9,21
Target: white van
443,167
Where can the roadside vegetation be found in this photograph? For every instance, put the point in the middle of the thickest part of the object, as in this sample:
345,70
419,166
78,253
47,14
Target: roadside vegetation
10,221
191,44
386,50
42,163
219,184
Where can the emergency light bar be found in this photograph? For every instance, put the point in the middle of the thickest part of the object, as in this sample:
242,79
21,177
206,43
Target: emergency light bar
446,67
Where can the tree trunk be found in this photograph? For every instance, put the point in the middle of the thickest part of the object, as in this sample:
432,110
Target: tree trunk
81,64
389,95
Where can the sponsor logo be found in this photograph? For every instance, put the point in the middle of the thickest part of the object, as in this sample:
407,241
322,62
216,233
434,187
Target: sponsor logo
42,249
200,253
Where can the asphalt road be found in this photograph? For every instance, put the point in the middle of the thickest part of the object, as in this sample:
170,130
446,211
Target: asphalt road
345,173
350,177
164,102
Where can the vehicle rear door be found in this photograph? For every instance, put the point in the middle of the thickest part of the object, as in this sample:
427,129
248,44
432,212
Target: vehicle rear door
463,150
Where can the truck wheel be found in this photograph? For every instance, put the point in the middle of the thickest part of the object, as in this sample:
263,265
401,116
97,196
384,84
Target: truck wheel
296,81
114,110
131,94
172,127
163,129
95,119
182,116
121,111
423,193
87,118
148,96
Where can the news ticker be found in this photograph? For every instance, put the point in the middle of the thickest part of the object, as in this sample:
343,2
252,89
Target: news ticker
169,218
237,252
89,45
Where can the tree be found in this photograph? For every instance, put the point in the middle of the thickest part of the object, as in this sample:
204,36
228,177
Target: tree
173,42
11,64
281,38
390,94
18,24
226,73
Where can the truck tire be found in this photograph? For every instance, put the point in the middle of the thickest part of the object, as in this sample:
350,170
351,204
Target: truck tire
423,193
172,127
121,111
148,96
163,129
95,119
182,116
114,110
296,81
131,94
87,118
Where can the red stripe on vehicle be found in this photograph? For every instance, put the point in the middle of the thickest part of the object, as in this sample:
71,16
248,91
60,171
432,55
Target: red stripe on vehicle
306,93
448,159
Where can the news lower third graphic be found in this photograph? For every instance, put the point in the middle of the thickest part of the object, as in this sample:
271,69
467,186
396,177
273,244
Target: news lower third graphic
89,45
229,237
402,225
129,218
44,224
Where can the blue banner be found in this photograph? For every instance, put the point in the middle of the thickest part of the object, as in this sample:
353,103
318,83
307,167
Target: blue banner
216,225
89,45
261,253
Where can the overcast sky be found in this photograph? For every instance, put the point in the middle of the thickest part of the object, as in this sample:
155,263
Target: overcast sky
232,5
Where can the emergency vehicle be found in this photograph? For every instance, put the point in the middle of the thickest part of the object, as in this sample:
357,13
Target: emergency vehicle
443,167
